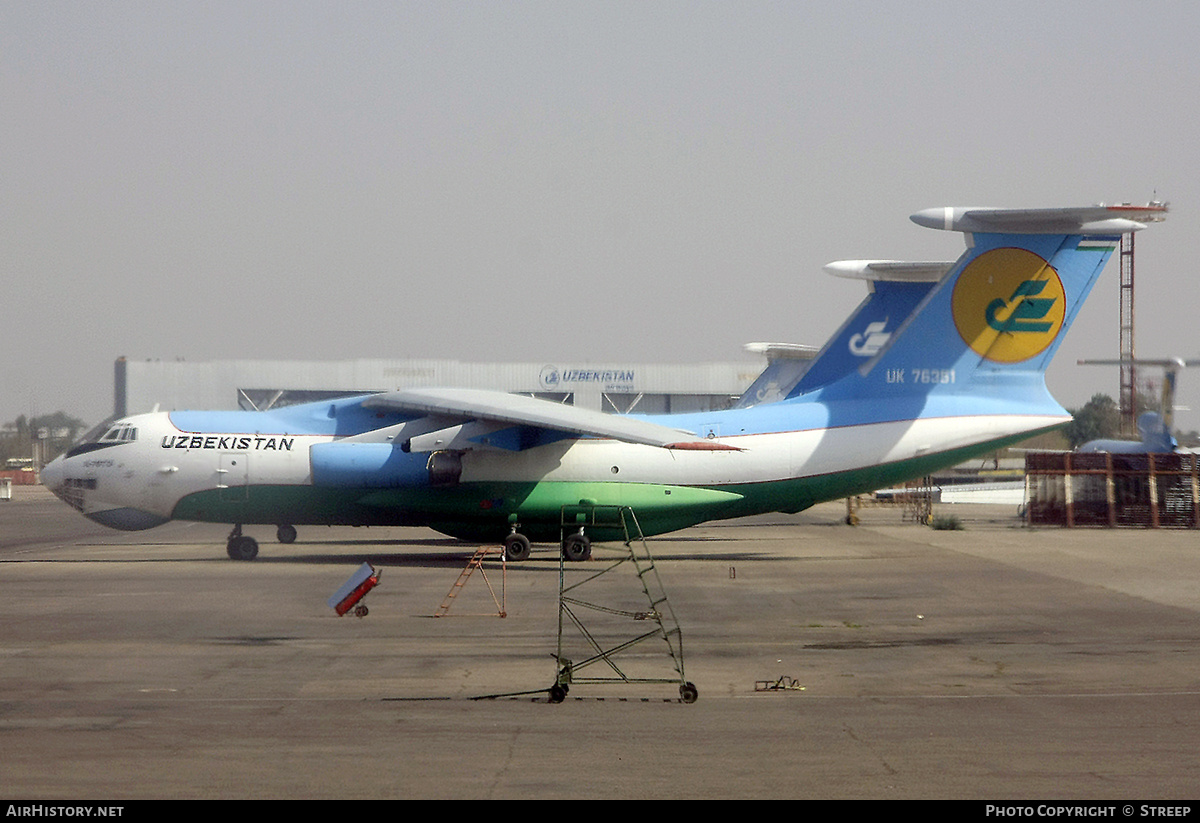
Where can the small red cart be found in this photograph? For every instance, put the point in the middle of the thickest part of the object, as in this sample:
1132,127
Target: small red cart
365,578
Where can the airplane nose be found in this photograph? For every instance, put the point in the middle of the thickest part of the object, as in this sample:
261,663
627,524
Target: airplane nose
52,476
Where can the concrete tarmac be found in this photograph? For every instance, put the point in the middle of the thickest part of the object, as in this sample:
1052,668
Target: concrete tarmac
993,663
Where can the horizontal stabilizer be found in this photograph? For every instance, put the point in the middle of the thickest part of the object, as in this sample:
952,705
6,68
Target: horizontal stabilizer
892,271
783,351
1086,220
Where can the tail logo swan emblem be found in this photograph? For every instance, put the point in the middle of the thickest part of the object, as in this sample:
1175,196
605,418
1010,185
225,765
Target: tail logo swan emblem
1008,305
871,340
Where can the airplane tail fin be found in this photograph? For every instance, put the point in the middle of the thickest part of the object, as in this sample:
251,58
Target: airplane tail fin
786,364
1156,433
990,326
896,289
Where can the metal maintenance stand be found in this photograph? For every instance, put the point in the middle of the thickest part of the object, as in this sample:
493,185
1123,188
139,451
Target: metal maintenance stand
610,634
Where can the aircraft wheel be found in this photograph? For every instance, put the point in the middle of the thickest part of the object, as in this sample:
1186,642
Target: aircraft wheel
516,547
286,534
557,693
242,548
577,547
688,693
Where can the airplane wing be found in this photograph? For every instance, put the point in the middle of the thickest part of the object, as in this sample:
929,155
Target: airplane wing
491,412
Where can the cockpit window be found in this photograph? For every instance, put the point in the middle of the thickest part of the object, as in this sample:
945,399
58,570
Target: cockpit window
119,434
94,434
112,434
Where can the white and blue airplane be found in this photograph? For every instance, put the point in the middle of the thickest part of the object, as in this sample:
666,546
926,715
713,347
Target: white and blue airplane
1155,429
941,363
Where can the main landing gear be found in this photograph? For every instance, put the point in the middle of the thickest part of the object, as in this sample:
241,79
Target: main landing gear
517,547
577,546
574,547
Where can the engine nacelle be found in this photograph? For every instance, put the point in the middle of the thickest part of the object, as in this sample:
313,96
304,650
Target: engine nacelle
445,468
366,465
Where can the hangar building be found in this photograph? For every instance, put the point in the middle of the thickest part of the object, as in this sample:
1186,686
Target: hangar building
142,385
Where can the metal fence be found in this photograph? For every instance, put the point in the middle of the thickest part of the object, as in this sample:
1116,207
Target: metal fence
1112,490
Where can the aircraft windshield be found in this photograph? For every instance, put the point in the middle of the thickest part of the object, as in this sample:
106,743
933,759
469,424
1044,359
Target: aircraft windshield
119,434
93,434
108,433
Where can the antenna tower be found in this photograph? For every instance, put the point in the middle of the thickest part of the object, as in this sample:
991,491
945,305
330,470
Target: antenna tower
1128,400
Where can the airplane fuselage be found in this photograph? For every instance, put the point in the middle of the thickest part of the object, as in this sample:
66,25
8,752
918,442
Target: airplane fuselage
294,466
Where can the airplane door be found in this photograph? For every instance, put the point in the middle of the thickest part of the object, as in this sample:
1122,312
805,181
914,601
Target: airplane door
233,475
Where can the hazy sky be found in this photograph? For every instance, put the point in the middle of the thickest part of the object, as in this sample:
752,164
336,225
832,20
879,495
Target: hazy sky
557,181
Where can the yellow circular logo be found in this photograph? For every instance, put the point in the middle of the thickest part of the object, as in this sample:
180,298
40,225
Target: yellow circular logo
1008,305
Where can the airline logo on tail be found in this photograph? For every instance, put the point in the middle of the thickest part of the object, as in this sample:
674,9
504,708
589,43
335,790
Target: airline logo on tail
1009,305
871,340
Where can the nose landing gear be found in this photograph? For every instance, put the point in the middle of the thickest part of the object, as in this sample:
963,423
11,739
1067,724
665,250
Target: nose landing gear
241,546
